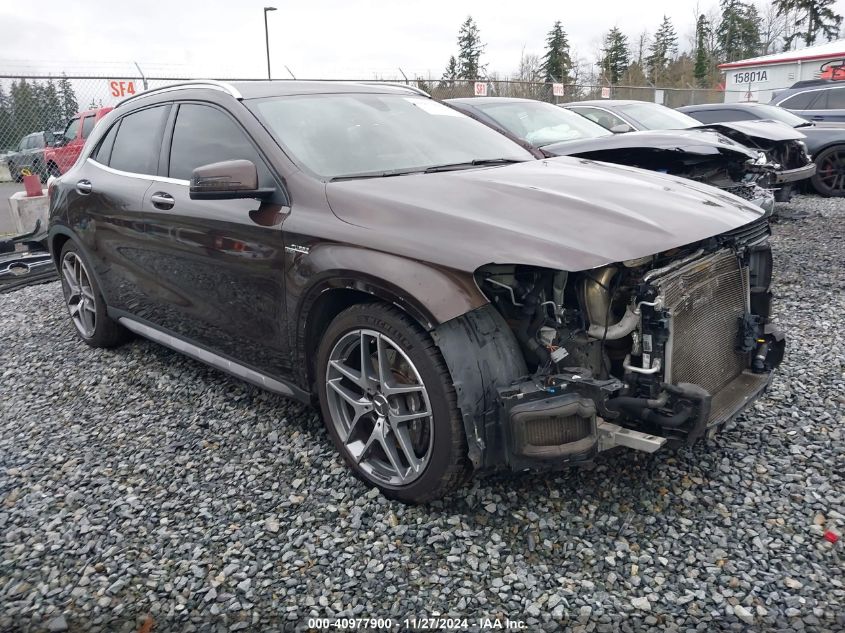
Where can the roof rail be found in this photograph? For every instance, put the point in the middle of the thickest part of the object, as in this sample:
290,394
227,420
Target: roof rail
395,84
187,85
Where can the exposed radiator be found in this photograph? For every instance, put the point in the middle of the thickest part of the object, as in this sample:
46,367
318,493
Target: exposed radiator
706,299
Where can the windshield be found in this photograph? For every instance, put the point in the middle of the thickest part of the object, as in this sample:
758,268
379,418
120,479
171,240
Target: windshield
653,116
764,111
541,123
359,135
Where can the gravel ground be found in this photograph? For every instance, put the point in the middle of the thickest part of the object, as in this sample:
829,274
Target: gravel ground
139,486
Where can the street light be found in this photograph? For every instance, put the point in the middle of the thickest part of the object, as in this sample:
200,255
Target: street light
267,38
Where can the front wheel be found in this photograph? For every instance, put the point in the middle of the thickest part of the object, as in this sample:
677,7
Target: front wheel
829,179
389,405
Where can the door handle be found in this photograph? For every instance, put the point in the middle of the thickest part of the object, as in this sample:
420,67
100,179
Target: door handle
84,187
162,200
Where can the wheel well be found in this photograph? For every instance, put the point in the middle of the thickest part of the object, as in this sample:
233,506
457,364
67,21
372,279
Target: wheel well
325,308
57,246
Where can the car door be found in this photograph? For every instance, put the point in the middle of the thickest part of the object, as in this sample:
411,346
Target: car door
829,106
105,206
218,264
66,154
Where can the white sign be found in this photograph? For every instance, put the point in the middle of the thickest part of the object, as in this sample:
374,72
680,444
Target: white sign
557,90
605,92
480,88
658,96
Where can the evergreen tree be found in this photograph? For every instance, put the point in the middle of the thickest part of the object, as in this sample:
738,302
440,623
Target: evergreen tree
615,55
738,35
701,71
24,109
556,62
7,140
451,72
67,97
813,19
663,48
470,49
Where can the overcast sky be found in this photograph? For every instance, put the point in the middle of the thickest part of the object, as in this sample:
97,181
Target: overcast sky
315,38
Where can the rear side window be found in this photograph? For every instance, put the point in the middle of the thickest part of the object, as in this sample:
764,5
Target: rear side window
87,126
204,135
801,101
720,116
835,99
137,144
103,153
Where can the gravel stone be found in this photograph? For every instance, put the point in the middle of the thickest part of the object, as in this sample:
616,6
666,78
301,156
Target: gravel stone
135,483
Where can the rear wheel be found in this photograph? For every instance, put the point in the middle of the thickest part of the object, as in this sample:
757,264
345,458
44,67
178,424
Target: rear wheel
85,302
829,179
53,170
389,404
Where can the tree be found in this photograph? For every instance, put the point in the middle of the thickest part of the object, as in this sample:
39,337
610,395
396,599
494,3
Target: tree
24,108
50,110
470,49
557,62
615,55
7,134
701,71
738,34
68,98
663,48
812,18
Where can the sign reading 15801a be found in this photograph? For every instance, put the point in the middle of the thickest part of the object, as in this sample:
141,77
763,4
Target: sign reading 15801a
750,76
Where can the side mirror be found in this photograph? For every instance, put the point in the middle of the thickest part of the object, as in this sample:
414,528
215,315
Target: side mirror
227,180
620,128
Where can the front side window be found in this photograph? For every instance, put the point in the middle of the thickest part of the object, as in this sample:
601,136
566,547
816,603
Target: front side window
801,101
87,126
71,130
349,135
605,119
204,135
764,111
137,144
541,123
653,116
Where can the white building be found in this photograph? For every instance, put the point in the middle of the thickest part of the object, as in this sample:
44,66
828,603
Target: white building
755,79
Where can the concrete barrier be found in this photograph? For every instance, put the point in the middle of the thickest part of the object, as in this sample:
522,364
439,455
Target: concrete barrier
25,212
5,176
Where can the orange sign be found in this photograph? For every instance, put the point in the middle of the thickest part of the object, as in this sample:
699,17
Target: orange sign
122,88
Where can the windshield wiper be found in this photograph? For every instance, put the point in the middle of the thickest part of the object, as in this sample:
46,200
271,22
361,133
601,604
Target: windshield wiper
376,174
478,162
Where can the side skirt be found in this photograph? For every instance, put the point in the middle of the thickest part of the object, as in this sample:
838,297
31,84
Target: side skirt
208,357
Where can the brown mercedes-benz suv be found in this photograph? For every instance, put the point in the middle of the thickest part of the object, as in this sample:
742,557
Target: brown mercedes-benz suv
453,304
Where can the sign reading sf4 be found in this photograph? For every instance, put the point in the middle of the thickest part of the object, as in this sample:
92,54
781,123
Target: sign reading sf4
122,88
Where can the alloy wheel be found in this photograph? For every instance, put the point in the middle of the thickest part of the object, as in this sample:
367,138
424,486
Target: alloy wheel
79,294
379,407
831,171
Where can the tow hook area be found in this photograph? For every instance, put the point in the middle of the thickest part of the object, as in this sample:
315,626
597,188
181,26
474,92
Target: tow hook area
611,435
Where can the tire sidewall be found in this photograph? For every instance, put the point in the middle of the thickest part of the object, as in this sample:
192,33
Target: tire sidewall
412,344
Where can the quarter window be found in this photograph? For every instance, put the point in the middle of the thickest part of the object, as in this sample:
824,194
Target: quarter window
137,144
204,135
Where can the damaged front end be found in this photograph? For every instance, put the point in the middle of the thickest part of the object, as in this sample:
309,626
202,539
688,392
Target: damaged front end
663,349
25,260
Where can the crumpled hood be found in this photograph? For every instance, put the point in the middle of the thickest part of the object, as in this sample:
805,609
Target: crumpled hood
561,213
699,142
769,130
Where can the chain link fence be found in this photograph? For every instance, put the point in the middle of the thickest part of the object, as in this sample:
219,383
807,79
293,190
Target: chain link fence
35,110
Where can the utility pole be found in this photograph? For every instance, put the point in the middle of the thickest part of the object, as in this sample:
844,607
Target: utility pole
267,38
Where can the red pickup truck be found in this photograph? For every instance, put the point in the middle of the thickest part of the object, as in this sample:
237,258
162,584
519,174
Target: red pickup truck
66,148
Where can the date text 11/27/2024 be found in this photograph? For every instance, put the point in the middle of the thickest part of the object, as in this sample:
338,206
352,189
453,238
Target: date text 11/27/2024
421,623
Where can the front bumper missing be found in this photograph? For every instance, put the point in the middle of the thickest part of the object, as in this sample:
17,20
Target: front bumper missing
794,175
